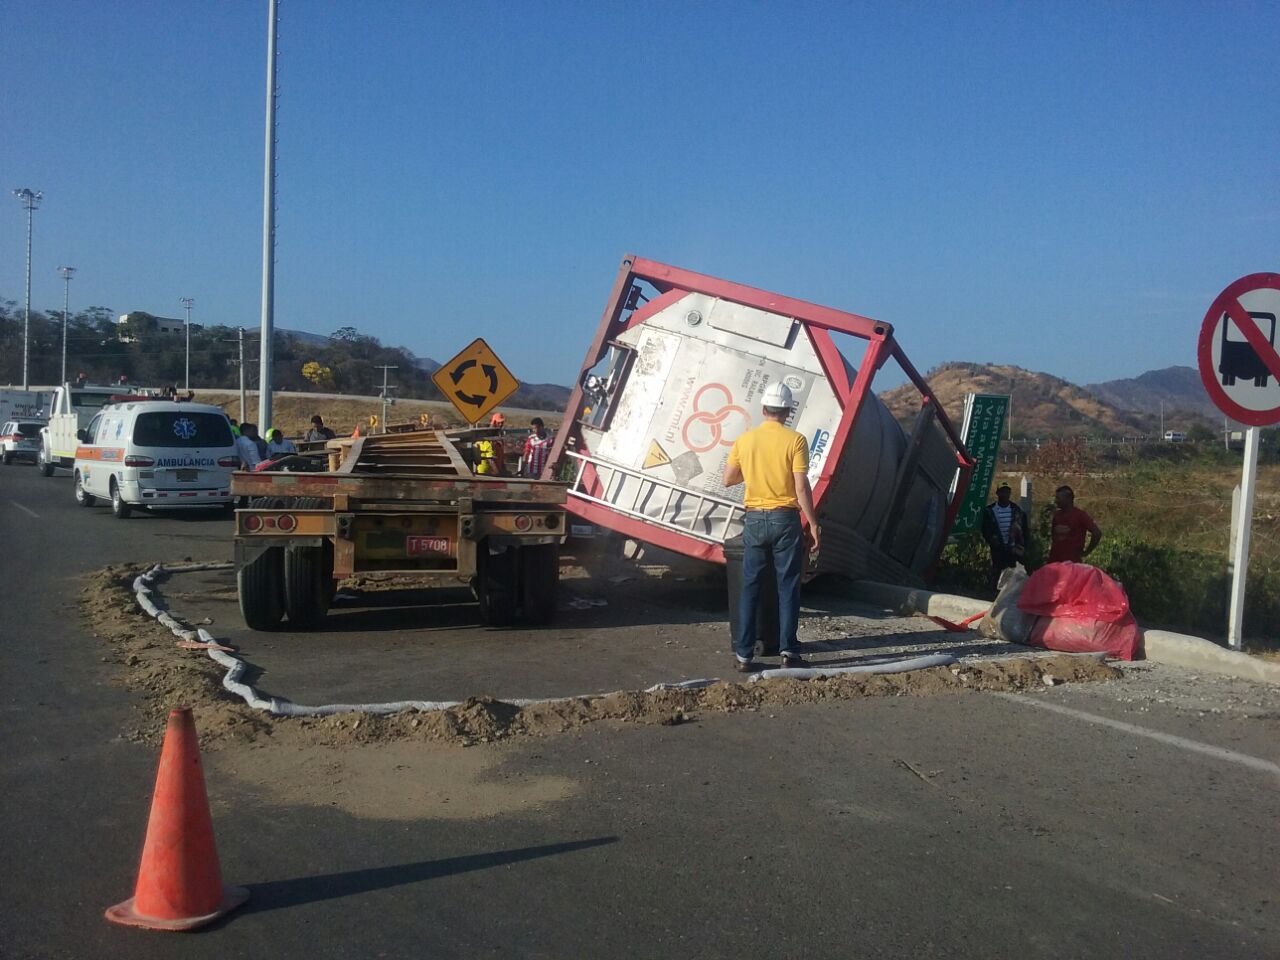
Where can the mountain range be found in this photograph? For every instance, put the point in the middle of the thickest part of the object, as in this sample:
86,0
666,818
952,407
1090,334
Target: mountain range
1045,405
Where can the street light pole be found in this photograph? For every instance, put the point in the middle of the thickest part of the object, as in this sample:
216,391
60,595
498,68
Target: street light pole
67,273
30,201
187,302
266,340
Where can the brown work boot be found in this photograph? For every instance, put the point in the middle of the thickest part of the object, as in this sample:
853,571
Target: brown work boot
745,666
794,662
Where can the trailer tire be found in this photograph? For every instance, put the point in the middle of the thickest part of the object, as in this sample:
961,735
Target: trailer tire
306,594
260,587
539,581
46,467
498,585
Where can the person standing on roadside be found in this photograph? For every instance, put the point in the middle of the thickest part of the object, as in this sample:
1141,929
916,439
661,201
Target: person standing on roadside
536,447
773,461
1068,527
247,447
318,432
278,445
1004,527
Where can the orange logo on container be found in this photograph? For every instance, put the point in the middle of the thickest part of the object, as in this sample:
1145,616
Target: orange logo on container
706,429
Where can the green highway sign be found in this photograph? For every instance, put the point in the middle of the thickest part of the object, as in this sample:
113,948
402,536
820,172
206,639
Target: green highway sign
984,415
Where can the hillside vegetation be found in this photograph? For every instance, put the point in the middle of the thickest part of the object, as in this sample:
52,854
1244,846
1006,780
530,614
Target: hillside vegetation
347,361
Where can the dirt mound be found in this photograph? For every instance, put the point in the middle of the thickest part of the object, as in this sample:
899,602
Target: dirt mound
166,675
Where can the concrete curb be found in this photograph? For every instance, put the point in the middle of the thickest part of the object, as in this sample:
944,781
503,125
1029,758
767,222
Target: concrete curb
1159,646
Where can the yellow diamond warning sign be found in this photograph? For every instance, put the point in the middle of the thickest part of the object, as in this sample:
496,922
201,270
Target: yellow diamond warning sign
475,381
656,457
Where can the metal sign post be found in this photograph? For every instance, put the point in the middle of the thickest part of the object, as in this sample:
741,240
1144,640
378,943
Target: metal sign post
1240,369
1240,540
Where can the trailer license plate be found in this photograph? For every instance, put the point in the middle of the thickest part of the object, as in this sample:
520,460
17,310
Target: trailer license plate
188,475
426,546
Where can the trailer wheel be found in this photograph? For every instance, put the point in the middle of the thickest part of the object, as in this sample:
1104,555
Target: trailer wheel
539,580
306,594
498,586
46,467
260,586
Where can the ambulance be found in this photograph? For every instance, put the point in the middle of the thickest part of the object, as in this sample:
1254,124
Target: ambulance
162,454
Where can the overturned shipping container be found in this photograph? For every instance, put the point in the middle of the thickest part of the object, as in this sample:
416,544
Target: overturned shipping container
675,374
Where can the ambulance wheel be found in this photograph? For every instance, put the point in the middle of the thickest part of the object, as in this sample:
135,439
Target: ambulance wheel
539,580
260,586
121,509
497,586
306,586
83,497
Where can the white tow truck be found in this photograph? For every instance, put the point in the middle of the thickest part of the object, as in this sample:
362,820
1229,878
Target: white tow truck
70,410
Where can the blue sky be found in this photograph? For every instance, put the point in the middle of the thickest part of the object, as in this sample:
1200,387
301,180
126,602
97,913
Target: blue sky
1065,187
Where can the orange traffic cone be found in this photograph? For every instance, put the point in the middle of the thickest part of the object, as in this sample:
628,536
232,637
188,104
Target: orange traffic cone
179,880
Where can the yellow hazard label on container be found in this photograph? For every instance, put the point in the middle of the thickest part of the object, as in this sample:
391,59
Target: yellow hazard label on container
656,457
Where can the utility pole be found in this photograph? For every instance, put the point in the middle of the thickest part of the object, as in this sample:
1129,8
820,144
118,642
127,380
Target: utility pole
30,201
187,302
1162,420
385,395
266,341
240,364
67,273
239,340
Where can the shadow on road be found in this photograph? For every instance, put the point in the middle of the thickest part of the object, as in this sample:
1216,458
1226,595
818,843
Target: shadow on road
280,894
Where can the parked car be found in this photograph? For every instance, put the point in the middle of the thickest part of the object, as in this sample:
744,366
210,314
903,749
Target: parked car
156,453
1175,436
20,440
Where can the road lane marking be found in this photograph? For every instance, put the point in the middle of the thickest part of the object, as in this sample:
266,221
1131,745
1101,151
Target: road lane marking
27,510
1195,746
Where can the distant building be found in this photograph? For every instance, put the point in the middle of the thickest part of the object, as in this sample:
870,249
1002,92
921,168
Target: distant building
165,326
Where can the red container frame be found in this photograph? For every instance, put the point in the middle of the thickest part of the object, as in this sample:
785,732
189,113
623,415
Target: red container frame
818,322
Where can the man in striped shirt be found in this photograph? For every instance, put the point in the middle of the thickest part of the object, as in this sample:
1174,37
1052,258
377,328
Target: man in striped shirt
1004,527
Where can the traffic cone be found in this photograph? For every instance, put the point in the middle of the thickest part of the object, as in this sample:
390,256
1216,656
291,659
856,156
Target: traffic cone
179,880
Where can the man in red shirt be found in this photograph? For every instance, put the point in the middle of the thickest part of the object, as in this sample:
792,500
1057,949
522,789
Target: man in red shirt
1068,527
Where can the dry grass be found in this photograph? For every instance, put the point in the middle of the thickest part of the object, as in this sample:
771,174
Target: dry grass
293,412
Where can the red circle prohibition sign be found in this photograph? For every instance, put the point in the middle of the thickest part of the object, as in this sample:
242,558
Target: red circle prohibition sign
1214,327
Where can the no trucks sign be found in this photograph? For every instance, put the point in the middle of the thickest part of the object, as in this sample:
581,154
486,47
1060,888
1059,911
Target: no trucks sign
1239,362
1240,369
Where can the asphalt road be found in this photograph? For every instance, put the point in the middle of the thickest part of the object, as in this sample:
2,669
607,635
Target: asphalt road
954,826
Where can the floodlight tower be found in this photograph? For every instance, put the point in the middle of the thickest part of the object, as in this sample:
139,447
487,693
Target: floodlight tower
67,273
30,201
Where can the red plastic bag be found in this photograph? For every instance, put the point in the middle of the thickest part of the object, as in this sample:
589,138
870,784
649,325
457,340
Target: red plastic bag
1117,639
1074,590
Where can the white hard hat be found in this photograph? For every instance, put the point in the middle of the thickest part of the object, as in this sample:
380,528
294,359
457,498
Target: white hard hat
777,396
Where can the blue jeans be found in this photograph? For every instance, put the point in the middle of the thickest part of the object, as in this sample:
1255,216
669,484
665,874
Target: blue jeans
764,533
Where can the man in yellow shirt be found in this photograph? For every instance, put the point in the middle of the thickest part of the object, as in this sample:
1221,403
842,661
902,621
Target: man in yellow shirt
774,462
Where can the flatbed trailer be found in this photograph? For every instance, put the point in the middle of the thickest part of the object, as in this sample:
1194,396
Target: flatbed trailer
400,504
